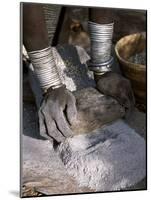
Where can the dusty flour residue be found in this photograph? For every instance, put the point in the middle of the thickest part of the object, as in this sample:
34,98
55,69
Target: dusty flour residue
74,73
111,158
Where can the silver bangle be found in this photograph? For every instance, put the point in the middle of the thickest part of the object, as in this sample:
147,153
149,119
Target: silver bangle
100,67
45,68
101,43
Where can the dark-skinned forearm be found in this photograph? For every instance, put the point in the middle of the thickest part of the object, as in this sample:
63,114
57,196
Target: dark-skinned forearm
101,15
35,35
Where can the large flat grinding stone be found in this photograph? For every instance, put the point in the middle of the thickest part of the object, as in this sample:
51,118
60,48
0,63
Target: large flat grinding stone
109,159
41,167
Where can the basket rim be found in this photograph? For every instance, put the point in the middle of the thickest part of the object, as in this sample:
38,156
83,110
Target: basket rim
139,67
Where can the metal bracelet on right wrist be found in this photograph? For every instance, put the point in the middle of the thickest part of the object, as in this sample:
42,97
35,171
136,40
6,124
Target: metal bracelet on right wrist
100,68
101,43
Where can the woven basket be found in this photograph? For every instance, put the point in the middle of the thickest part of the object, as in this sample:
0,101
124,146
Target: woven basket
136,73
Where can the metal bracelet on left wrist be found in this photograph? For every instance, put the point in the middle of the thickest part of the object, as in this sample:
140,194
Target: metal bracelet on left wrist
45,68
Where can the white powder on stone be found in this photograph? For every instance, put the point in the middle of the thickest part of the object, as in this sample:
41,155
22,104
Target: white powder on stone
62,67
111,158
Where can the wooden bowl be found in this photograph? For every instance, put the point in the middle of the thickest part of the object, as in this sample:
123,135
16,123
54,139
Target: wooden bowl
136,73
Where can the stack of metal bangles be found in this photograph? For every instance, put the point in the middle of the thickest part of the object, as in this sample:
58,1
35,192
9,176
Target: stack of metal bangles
45,68
101,43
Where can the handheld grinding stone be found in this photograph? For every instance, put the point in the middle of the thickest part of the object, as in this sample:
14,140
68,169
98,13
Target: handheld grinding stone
94,110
